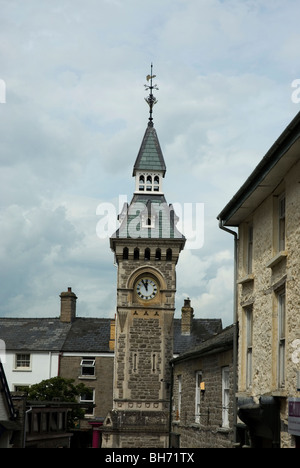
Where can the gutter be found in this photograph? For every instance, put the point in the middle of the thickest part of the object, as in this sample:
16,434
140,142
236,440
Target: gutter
235,326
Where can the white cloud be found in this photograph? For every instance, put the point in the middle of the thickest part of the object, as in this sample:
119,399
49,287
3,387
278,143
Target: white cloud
75,116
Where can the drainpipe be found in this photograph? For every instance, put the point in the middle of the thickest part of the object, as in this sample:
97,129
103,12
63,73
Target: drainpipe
26,425
235,327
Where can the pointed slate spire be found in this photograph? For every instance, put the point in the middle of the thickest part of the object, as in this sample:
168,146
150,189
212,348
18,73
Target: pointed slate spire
150,157
148,216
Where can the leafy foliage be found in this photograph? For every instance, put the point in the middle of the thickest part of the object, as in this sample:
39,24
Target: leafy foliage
59,389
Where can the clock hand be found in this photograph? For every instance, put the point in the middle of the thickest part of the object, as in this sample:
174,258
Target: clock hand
145,284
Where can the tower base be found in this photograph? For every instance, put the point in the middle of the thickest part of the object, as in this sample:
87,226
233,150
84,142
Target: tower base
136,429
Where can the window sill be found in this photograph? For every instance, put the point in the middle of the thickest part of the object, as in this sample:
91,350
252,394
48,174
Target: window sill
87,377
224,430
280,393
247,279
277,259
22,369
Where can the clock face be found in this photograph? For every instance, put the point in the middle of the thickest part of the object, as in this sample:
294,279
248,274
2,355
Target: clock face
146,288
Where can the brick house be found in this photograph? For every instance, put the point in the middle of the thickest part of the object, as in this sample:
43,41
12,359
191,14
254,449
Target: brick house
266,211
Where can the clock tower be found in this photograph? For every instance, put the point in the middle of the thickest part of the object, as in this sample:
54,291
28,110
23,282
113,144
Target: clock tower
146,247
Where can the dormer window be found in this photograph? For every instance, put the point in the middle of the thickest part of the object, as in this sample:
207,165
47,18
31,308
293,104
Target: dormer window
148,221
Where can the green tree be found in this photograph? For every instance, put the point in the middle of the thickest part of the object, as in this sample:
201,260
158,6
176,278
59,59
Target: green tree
59,389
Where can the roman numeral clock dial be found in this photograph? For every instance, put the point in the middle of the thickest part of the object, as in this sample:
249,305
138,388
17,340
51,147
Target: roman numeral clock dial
146,289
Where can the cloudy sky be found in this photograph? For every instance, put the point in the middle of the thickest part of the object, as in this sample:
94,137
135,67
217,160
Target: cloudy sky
72,76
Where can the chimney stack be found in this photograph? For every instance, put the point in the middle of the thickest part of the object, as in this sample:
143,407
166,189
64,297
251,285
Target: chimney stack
67,306
187,315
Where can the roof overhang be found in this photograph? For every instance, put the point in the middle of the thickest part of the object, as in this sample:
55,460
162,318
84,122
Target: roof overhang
281,157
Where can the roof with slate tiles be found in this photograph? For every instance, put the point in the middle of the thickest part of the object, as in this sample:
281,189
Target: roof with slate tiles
35,334
50,334
150,157
202,329
216,342
87,335
143,205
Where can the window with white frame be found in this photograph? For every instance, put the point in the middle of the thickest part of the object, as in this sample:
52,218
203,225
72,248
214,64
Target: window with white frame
281,337
23,361
198,396
149,182
88,397
225,396
87,367
156,183
142,183
20,388
148,221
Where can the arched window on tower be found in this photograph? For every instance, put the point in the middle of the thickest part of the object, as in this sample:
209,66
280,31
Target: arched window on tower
156,184
125,253
147,254
142,183
149,183
169,255
158,254
136,254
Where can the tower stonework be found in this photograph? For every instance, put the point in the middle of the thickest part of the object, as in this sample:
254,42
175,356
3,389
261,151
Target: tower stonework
146,247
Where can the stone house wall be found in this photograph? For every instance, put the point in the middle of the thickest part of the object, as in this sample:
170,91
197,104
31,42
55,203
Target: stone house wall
207,432
273,271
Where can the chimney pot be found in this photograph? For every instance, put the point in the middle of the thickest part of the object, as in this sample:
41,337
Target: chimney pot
187,315
67,306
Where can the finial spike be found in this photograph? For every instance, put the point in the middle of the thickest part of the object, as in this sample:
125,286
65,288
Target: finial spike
151,100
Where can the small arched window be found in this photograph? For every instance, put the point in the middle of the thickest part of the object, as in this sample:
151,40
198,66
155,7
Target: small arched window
125,253
156,184
147,254
142,183
136,254
158,254
149,183
169,255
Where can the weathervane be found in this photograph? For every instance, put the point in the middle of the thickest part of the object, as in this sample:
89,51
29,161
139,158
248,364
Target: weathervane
151,100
